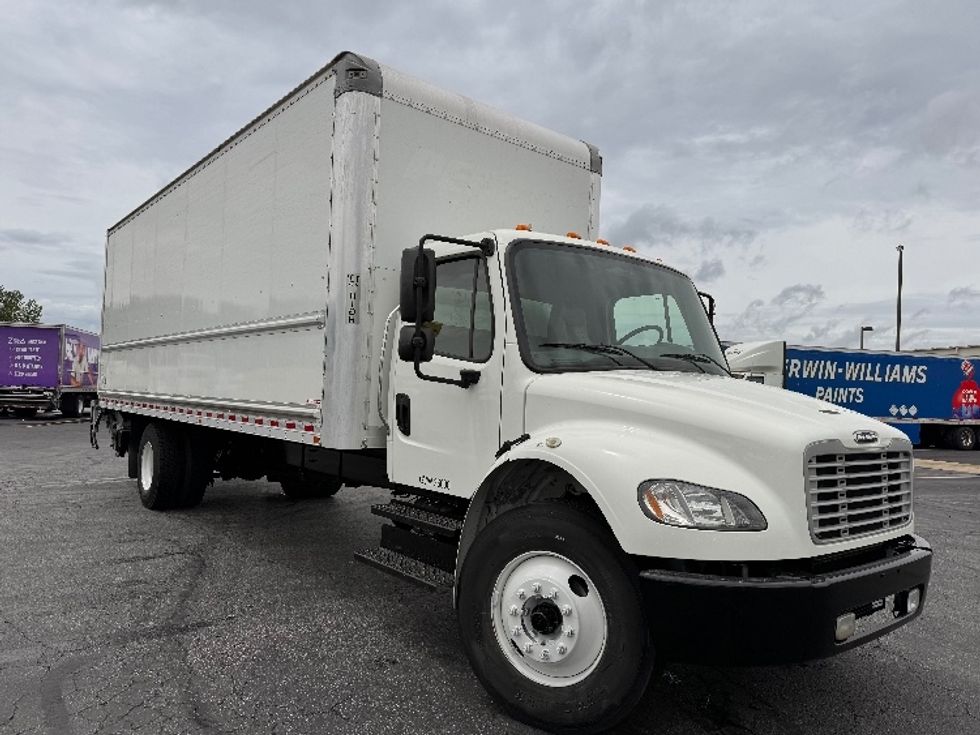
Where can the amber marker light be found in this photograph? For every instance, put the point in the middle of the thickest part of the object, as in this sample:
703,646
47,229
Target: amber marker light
629,248
573,235
523,228
600,241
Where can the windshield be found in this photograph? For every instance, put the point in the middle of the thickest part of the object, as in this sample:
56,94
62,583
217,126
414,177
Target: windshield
580,308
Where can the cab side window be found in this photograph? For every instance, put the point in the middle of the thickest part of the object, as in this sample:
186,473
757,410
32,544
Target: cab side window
463,317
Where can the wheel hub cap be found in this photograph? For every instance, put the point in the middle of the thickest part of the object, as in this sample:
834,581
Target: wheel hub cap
548,618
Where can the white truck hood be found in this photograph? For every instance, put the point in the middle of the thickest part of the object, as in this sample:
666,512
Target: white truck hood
706,403
619,428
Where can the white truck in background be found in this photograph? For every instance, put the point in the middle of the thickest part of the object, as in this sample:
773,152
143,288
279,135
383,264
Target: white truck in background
326,299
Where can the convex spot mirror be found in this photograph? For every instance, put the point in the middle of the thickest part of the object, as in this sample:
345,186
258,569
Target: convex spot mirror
409,341
417,286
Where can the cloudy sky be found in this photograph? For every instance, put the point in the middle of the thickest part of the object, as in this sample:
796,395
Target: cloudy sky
775,151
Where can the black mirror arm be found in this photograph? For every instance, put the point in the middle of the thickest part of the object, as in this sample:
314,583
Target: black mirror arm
466,377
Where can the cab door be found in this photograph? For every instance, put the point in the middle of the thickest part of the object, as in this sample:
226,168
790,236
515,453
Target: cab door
444,437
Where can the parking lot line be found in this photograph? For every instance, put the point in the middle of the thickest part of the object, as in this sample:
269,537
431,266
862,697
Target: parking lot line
935,464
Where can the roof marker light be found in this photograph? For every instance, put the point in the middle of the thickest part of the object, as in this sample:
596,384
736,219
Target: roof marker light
629,248
523,228
573,235
600,241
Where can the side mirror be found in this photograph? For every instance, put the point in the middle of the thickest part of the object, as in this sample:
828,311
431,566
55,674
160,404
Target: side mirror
416,345
417,285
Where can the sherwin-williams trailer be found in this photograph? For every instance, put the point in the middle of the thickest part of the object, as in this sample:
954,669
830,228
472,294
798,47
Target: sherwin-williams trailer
47,366
934,399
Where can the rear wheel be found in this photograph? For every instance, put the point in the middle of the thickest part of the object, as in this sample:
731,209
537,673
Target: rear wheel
552,619
71,405
963,437
301,489
161,467
198,469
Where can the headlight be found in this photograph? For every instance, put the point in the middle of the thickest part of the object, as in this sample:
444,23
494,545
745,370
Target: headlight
685,504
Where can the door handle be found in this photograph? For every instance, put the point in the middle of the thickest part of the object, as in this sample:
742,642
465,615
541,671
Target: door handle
403,413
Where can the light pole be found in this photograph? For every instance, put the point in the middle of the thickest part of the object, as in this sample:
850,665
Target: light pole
863,330
898,307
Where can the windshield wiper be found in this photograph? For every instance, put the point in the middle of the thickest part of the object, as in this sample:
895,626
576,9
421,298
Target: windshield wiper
603,349
696,358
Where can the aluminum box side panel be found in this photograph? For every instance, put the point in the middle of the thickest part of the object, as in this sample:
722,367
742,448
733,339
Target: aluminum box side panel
438,173
217,288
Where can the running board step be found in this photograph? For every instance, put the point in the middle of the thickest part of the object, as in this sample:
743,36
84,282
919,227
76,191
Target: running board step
407,568
419,518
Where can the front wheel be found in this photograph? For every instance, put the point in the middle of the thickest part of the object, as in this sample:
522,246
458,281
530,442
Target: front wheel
552,619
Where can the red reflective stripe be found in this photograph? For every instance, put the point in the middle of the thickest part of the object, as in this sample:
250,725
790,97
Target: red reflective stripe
274,423
308,427
259,422
290,424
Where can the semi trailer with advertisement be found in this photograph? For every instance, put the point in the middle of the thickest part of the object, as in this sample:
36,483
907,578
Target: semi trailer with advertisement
327,299
44,367
934,399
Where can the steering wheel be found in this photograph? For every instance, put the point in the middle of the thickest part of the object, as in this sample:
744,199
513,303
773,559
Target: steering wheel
644,328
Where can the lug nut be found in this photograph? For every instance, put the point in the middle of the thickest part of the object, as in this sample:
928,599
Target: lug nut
528,647
569,632
545,655
566,610
521,594
554,594
562,649
517,631
514,610
536,587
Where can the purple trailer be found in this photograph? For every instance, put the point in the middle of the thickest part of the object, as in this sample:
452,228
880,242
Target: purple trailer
47,366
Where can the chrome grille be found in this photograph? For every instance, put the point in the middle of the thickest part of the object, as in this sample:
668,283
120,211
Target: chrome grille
853,494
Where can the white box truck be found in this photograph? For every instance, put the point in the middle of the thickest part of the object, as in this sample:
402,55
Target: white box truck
326,299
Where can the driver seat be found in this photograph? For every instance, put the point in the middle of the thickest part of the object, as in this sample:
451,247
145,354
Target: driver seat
567,323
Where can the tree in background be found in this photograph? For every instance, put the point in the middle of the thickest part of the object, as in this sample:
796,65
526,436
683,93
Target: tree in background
13,308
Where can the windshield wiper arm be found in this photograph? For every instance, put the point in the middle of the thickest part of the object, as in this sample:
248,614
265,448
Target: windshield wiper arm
696,358
603,349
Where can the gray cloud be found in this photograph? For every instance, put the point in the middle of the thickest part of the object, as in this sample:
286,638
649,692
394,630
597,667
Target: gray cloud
660,225
709,270
964,295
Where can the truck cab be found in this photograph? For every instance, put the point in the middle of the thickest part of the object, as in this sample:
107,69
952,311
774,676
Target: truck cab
569,391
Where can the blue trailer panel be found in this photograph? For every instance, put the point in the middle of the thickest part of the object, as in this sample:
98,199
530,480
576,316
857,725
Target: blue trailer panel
904,389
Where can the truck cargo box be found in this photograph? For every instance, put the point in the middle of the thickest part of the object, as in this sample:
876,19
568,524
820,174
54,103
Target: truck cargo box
252,292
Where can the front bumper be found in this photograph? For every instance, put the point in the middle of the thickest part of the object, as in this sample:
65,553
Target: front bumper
782,618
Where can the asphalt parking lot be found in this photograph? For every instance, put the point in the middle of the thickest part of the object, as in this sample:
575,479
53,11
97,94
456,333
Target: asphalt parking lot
248,615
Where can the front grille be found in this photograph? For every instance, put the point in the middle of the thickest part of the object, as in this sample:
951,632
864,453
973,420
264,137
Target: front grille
857,494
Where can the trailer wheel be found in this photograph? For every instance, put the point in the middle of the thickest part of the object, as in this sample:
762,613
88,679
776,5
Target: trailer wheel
962,437
71,405
161,467
198,469
303,489
552,620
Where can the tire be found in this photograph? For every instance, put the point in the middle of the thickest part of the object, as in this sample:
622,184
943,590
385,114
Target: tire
198,469
25,413
160,473
306,488
71,405
962,437
133,453
593,677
